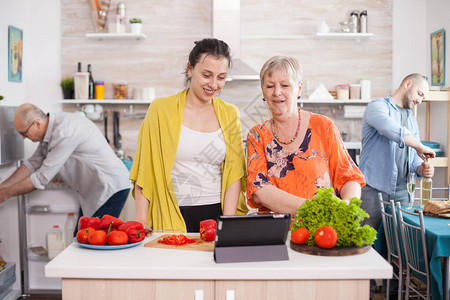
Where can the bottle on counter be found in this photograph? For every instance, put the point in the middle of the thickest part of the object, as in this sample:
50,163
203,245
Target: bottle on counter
354,21
363,21
79,66
55,241
91,83
69,228
426,184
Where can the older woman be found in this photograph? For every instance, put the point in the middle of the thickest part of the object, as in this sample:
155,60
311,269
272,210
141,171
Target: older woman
297,152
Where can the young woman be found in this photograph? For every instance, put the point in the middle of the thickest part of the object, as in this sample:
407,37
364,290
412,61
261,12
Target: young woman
190,161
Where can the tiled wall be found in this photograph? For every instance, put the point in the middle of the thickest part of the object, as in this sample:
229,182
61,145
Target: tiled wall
268,27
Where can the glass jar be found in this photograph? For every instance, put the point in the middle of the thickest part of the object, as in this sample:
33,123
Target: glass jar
365,88
342,91
116,24
355,91
81,85
120,90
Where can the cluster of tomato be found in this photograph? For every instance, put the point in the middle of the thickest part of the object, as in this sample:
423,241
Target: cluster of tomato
325,236
109,230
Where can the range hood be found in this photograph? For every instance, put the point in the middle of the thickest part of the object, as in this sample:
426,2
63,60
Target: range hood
227,27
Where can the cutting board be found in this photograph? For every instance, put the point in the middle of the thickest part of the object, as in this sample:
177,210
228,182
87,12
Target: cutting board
203,246
336,251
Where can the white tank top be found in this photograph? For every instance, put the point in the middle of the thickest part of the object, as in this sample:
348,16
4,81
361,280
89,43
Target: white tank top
197,173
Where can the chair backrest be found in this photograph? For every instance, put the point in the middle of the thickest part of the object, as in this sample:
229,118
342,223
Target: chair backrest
389,220
437,193
414,244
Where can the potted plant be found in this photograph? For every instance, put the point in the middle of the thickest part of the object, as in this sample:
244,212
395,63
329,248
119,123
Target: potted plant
136,25
67,87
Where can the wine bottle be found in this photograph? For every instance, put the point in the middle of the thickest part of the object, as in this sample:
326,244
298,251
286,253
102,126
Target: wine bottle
426,185
91,83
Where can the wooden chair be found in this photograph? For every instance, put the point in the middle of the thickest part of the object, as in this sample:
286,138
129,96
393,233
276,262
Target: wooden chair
415,249
390,226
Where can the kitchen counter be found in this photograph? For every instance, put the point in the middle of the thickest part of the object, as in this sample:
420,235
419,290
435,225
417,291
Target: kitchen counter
177,269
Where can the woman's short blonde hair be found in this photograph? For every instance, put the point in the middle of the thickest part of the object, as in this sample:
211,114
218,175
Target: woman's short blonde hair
289,64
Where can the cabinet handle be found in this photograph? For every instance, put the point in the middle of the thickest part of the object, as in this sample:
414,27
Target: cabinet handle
229,295
198,294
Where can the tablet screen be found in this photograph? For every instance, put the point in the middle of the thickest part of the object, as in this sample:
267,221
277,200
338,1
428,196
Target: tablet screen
252,230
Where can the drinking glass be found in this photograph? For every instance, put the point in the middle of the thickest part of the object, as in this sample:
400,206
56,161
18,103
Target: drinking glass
411,186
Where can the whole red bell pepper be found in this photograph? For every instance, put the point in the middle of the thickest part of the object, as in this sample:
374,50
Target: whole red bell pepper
208,230
135,231
106,221
86,222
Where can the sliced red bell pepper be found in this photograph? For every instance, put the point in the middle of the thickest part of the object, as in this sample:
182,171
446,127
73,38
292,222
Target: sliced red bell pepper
135,231
208,230
177,239
86,222
107,219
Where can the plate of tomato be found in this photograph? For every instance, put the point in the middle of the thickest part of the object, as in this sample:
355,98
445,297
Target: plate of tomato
106,247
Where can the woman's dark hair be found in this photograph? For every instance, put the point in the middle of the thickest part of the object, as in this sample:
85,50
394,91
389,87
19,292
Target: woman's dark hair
214,47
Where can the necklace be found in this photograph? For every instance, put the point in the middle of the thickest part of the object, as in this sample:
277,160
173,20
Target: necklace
295,135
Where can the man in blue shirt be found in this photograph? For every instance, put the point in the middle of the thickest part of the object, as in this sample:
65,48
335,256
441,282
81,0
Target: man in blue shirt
391,146
391,149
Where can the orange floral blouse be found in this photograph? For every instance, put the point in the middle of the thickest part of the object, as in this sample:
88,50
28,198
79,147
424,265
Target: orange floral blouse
321,161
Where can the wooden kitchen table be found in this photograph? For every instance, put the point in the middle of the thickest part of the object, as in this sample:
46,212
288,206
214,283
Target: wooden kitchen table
151,273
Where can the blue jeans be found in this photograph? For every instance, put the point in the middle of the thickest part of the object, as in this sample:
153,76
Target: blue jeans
111,207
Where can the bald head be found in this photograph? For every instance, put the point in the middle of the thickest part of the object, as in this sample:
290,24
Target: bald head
412,91
28,114
415,78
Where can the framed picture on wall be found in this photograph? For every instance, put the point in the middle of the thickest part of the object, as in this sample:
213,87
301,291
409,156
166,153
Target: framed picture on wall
15,53
438,57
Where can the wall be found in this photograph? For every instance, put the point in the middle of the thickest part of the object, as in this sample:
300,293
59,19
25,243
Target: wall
267,28
39,21
437,18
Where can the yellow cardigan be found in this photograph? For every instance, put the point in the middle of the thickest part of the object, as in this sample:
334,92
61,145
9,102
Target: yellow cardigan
157,146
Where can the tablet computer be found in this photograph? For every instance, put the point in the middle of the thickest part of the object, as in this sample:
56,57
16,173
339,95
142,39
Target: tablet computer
252,230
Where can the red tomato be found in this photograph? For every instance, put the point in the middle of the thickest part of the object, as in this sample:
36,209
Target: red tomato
97,237
300,235
325,237
117,238
82,235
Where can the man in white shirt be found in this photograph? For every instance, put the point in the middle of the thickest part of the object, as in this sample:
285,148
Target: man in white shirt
73,147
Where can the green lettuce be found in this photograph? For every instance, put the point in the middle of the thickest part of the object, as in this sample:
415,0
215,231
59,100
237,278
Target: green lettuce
327,209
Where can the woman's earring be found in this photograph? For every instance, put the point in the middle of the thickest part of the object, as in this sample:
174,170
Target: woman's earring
298,98
263,99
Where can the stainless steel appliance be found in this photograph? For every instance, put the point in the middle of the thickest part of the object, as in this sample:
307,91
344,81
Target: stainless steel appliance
11,142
